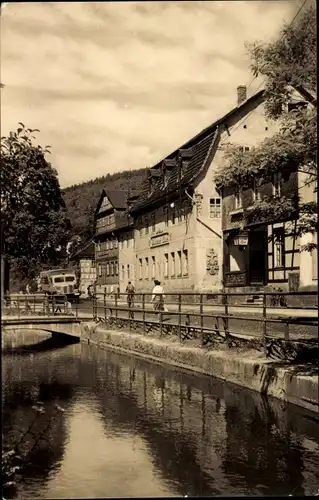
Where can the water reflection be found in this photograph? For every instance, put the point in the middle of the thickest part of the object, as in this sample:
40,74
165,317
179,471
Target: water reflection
132,428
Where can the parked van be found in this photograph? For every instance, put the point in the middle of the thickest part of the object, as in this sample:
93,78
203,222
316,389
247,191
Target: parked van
59,281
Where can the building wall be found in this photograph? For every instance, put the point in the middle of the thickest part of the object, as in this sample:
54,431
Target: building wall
87,274
126,259
308,260
107,261
167,238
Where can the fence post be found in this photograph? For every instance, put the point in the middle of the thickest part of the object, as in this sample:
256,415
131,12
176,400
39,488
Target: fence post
76,307
94,306
143,307
18,306
265,323
201,310
286,333
53,305
226,318
104,303
179,317
34,304
161,322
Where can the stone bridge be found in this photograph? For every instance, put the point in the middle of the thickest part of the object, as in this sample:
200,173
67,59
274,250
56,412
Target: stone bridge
56,325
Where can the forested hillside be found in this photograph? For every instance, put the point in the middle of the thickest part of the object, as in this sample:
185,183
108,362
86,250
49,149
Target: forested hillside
81,199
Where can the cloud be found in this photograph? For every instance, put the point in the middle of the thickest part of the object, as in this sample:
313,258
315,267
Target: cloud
118,85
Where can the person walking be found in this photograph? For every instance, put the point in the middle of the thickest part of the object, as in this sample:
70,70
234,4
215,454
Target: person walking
158,297
130,290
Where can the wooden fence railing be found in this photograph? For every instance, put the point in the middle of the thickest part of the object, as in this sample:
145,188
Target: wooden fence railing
35,304
208,315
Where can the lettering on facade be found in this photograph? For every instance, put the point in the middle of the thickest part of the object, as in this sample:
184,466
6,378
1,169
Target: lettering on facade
235,279
212,265
159,240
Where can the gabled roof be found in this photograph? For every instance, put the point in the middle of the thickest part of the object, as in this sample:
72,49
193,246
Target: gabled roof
87,251
199,149
118,198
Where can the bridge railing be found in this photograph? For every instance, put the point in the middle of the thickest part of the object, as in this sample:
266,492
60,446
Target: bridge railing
266,316
21,305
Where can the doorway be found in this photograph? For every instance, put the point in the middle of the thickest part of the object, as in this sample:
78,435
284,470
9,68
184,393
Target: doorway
258,253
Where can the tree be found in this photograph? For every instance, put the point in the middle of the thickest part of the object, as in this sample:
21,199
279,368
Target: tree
288,64
34,223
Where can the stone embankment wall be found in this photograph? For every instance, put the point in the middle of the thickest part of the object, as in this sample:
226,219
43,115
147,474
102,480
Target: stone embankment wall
250,369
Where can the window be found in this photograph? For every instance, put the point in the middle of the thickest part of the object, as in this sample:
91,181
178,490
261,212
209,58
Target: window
179,263
166,265
146,224
115,243
116,268
111,244
140,269
58,280
153,222
99,270
107,244
238,199
244,149
214,208
277,184
172,264
146,268
111,268
123,272
185,262
153,267
256,190
279,247
128,271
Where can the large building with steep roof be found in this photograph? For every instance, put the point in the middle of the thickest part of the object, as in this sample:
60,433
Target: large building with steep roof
177,228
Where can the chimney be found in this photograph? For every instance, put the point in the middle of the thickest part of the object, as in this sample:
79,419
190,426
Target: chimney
241,94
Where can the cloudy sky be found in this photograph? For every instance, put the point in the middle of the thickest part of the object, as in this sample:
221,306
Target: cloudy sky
116,86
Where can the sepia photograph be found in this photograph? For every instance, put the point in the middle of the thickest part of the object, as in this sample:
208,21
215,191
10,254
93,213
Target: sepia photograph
159,249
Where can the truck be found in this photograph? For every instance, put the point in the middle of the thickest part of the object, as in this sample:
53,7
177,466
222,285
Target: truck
59,282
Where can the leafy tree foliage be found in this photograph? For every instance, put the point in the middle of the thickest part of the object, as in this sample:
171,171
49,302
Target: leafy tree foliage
34,223
289,64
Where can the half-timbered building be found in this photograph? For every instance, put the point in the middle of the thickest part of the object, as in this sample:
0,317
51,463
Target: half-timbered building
258,252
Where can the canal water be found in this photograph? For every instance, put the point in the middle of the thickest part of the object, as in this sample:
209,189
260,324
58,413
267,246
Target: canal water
131,428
